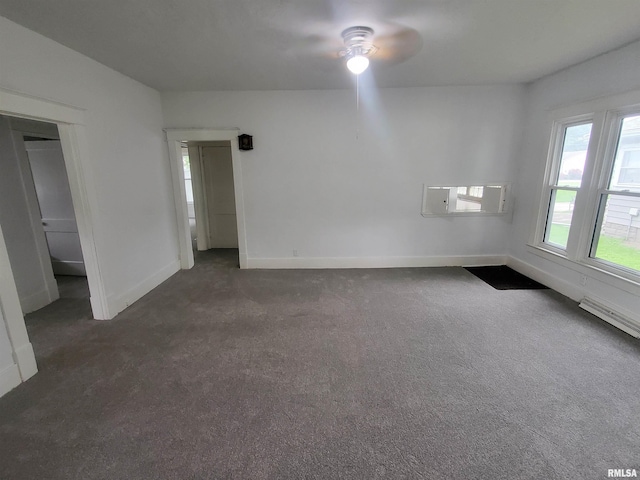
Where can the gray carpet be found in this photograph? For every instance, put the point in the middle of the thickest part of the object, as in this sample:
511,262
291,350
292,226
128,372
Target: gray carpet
390,373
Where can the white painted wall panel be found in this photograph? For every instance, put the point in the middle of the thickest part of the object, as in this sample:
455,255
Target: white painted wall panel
330,181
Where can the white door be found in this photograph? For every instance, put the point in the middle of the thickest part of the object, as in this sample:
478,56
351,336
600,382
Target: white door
217,173
56,208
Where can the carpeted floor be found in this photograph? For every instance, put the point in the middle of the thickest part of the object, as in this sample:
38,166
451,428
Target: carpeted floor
389,373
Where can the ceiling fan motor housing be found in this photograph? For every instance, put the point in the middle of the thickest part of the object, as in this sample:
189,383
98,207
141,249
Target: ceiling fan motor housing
357,41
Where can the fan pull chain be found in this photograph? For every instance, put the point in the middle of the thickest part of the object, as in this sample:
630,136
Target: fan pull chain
357,106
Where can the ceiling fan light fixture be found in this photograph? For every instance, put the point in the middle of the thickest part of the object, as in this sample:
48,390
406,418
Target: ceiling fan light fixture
357,64
357,48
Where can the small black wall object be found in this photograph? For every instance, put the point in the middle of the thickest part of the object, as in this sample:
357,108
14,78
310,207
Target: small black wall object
245,142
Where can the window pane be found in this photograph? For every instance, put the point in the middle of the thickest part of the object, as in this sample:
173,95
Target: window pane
559,219
626,167
619,236
574,154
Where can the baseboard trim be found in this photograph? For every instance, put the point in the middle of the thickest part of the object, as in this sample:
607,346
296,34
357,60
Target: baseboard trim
37,300
616,315
627,322
243,260
561,286
9,379
118,303
375,262
26,359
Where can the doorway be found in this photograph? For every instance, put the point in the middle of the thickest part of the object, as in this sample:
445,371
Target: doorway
69,121
213,195
219,214
37,211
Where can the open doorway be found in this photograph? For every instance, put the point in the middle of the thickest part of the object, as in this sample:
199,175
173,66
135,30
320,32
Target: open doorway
37,214
69,121
211,205
207,162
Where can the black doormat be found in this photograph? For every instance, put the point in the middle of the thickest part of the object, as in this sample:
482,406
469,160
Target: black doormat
502,277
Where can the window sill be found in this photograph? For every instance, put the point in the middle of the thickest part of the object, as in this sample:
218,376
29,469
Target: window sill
601,275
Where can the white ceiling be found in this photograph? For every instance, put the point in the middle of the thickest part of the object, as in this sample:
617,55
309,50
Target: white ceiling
269,44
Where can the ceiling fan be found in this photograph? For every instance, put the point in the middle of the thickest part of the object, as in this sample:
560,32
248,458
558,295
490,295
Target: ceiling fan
382,43
358,46
395,44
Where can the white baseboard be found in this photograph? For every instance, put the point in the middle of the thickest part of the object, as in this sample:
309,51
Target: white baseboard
629,321
26,361
375,262
117,303
9,378
243,260
36,301
567,289
65,267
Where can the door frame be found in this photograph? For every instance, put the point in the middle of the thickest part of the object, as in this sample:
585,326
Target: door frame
70,123
175,137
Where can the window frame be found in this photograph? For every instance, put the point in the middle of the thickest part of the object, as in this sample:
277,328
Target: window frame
612,131
554,160
606,116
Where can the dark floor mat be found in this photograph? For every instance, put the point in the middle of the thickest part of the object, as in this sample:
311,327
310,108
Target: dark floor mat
502,277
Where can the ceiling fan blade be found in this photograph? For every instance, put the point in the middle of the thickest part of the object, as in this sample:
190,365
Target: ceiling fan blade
317,46
397,47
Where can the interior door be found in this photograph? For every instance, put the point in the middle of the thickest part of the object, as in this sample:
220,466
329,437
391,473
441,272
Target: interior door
56,208
217,176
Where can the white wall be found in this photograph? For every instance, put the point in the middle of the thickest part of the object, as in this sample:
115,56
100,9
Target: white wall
334,184
135,225
612,73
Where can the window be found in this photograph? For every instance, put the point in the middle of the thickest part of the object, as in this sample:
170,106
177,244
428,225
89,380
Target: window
566,181
187,175
590,202
617,241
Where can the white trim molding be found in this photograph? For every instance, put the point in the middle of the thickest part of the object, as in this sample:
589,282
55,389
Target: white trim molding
118,303
375,262
174,139
35,108
37,300
9,379
568,289
624,321
26,360
616,315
